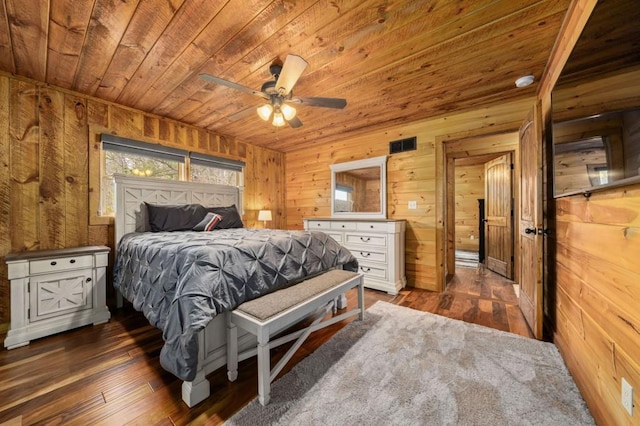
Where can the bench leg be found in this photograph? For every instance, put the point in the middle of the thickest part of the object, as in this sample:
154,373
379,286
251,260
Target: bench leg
264,372
361,300
232,350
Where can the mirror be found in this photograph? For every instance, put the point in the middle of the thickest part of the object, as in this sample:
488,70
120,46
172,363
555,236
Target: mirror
359,188
597,151
597,146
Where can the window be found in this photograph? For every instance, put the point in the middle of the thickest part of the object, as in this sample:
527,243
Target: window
343,192
136,158
342,195
207,169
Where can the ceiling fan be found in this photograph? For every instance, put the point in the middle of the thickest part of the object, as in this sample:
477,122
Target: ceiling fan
278,92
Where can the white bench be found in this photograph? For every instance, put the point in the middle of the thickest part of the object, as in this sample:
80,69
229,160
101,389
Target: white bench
272,313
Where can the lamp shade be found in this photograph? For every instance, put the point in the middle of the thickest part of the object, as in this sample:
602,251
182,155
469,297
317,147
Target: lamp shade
265,111
264,215
278,119
288,111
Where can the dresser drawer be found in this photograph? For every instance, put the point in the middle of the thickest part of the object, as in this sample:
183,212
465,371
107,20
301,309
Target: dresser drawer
318,224
373,271
343,226
372,256
339,237
366,239
371,226
47,266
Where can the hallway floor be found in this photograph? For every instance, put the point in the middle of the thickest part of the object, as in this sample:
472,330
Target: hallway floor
474,295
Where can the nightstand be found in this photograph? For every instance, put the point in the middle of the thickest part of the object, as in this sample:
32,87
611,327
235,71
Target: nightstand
56,290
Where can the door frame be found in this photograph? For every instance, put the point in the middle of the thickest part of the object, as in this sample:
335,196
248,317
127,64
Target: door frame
449,147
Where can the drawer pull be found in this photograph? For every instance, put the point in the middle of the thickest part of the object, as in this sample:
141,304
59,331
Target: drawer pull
365,254
371,226
365,239
72,261
317,224
88,280
363,269
342,226
54,263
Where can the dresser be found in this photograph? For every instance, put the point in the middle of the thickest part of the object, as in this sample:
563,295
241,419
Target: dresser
56,290
378,244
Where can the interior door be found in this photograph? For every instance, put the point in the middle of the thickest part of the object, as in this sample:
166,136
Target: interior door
531,221
498,215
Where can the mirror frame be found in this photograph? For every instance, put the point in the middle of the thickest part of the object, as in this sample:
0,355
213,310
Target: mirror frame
360,164
587,190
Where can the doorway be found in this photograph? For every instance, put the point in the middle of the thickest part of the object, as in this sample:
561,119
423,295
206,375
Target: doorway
480,149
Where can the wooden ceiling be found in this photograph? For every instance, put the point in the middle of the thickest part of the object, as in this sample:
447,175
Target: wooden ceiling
609,42
394,61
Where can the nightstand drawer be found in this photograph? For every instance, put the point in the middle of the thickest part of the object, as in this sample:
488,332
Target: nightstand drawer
57,264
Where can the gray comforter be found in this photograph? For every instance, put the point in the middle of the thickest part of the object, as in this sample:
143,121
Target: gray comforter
181,280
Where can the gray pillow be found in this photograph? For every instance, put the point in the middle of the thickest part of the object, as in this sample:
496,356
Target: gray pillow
174,217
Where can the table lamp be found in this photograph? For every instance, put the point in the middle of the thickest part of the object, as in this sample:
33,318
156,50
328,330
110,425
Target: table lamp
264,216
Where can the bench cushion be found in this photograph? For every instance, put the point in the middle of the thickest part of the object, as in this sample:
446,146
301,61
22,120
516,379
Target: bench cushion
274,303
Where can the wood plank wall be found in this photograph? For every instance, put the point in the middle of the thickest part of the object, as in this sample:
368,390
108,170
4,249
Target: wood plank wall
411,176
597,279
49,174
469,184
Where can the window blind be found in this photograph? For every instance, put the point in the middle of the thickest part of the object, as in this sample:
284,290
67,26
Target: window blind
132,146
211,161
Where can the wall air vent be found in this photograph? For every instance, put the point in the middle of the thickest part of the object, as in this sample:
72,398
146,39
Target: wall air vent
402,145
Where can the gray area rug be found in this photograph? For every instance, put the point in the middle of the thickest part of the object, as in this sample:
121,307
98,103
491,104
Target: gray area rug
405,367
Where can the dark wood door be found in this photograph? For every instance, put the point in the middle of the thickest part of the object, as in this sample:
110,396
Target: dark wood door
498,215
531,221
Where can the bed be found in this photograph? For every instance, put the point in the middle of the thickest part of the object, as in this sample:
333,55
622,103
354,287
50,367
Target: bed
185,281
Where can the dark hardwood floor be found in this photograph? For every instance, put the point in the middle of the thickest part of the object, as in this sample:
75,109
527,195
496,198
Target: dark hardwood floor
110,373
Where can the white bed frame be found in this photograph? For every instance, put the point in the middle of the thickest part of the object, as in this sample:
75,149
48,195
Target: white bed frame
130,194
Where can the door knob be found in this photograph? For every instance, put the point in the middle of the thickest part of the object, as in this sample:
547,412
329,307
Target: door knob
530,231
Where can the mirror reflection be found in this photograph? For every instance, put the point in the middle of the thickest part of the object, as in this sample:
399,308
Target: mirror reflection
596,151
358,190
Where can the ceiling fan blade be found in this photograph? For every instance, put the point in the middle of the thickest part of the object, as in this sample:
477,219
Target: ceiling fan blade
292,69
294,122
337,103
242,114
217,80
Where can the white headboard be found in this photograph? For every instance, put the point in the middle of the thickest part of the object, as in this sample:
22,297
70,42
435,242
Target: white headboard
131,192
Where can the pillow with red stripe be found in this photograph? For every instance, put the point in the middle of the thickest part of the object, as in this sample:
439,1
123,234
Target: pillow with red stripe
208,223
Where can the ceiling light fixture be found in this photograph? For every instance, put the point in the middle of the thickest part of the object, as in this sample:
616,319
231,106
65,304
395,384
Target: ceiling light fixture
278,119
288,111
265,111
279,112
524,81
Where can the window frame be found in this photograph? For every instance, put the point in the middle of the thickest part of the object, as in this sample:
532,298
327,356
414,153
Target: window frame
141,148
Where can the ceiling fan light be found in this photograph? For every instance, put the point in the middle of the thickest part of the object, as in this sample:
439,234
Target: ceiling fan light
288,111
265,111
278,119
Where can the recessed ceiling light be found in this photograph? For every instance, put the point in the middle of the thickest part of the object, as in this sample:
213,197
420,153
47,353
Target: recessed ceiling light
524,81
